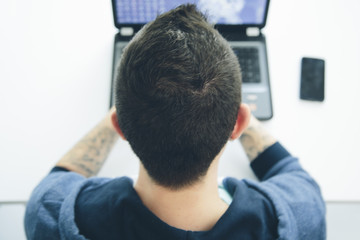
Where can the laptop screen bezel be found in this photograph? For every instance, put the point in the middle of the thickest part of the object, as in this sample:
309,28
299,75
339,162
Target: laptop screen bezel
220,27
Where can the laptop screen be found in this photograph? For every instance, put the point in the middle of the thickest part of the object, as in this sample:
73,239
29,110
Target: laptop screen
223,12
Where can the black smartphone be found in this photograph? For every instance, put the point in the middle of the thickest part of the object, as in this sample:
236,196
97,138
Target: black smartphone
312,81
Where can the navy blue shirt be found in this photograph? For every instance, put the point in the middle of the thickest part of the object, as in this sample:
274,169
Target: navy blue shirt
285,204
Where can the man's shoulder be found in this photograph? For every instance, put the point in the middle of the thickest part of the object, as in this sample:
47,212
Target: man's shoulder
250,213
103,205
105,187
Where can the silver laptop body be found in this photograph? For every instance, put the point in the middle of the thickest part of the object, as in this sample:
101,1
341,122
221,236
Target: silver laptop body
239,21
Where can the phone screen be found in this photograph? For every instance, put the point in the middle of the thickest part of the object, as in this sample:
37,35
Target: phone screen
312,79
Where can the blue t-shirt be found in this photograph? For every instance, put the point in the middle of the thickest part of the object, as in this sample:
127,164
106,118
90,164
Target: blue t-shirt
285,204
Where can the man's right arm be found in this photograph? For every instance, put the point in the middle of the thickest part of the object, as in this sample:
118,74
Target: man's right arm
295,195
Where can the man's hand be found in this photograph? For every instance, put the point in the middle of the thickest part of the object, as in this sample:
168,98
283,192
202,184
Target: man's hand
89,154
255,139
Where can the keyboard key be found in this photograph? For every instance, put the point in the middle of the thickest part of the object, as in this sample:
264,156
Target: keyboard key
249,62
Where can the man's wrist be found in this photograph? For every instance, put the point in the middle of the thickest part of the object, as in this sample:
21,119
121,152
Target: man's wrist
255,139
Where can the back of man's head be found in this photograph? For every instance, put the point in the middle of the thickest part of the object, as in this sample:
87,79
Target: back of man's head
177,96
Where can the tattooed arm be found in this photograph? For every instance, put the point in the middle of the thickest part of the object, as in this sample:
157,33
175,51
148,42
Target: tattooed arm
89,154
255,139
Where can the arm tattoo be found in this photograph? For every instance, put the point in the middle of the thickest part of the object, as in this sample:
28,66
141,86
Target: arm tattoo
255,139
89,154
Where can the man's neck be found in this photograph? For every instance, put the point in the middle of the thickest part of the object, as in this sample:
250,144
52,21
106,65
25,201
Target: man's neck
195,208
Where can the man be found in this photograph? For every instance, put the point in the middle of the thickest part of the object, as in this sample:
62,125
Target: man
177,103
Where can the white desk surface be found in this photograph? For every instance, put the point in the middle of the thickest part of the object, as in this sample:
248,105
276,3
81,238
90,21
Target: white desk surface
55,70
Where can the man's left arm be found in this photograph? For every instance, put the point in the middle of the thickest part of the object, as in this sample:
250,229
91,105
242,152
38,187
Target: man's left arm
89,154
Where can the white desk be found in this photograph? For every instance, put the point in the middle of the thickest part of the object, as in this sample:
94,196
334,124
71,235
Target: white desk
55,69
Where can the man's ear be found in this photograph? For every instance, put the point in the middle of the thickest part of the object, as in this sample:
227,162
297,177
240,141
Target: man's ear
115,123
242,121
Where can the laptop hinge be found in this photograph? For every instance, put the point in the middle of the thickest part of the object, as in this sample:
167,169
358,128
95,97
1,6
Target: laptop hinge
253,32
126,31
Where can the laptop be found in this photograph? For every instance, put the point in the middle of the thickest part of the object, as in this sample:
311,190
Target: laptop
239,21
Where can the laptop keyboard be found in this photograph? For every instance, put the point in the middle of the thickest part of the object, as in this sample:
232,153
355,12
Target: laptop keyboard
249,62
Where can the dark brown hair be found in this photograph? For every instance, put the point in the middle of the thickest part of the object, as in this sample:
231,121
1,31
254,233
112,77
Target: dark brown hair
178,95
